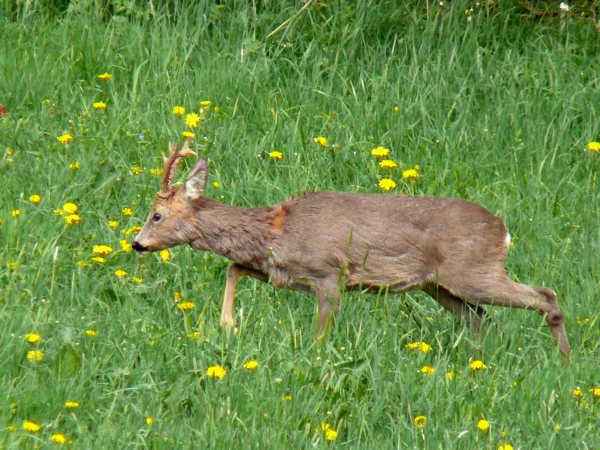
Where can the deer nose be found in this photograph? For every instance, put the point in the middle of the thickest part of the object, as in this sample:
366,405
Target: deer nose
139,247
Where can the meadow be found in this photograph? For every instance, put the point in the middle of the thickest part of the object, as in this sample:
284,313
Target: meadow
103,348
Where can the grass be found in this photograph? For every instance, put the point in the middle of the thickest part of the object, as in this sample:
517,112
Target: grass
497,110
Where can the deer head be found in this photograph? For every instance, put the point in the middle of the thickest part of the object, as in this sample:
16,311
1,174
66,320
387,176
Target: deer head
169,220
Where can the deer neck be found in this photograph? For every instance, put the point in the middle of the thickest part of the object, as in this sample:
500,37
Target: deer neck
242,235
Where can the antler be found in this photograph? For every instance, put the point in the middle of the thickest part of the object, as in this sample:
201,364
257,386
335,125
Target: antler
173,161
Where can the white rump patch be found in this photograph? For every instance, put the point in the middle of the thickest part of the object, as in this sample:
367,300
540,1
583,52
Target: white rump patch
507,239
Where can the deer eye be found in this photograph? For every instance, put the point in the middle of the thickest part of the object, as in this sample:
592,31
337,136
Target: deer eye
156,217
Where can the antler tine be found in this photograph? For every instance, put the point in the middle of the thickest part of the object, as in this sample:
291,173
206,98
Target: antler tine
173,161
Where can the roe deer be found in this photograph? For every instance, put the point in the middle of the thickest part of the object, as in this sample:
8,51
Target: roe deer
328,242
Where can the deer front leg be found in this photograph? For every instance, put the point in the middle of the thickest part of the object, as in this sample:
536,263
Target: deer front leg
234,272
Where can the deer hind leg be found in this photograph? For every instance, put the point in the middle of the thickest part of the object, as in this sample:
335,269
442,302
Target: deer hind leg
472,314
502,291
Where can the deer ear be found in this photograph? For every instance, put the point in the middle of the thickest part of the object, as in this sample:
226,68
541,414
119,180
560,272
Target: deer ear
196,179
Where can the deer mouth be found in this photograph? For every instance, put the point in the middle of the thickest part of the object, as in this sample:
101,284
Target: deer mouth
139,247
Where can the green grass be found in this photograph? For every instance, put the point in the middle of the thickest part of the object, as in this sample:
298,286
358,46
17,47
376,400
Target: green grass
497,110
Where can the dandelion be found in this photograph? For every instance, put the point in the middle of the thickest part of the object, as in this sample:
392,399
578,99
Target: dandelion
178,111
125,245
98,259
206,103
70,208
194,335
102,250
99,105
82,264
276,155
329,433
577,393
593,146
177,296
105,76
557,427
287,398
186,306
192,120
410,174
31,427
165,255
35,355
127,212
388,164
65,138
477,365
505,447
71,404
113,223
387,184
216,185
420,421
427,370
33,338
137,280
156,172
74,165
58,438
136,170
483,424
216,372
149,420
91,333
72,219
422,346
15,213
595,391
450,375
321,141
251,365
120,273
188,135
35,199
380,152
396,109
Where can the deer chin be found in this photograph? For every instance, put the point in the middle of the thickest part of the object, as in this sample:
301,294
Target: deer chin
140,248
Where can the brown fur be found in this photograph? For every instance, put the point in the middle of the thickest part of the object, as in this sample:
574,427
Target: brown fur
327,242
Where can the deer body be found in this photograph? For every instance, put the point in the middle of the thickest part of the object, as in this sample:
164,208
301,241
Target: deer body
328,242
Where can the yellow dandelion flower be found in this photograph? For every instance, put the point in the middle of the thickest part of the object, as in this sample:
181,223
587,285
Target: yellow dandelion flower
194,335
422,346
331,435
593,146
420,421
595,391
149,420
31,427
102,250
321,141
427,370
99,105
127,212
450,375
35,355
483,425
126,246
287,398
105,76
505,446
216,372
216,185
276,155
387,184
577,393
72,219
396,109
186,306
410,174
98,259
82,264
136,170
74,165
388,164
165,255
113,223
177,296
33,338
557,427
178,110
91,333
35,199
70,208
65,138
192,120
477,365
205,103
120,273
188,135
15,213
137,280
72,404
58,438
251,365
380,152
